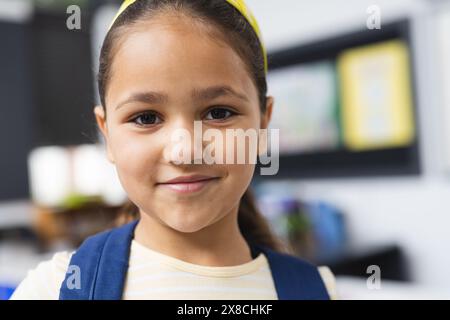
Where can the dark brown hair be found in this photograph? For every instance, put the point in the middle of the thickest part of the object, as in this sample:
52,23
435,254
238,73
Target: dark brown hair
239,34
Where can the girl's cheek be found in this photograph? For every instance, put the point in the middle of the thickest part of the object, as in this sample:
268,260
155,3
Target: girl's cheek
134,153
240,150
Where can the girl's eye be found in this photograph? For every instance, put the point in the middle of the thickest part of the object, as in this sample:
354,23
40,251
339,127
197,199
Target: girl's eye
146,119
219,114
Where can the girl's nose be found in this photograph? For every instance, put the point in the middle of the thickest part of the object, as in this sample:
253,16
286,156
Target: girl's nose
184,144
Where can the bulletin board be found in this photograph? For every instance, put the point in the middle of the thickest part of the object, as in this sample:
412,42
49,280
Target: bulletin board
345,106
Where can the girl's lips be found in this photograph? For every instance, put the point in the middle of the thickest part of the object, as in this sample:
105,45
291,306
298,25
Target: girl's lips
187,187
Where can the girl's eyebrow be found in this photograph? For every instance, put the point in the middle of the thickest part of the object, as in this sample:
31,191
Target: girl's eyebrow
210,93
216,92
149,97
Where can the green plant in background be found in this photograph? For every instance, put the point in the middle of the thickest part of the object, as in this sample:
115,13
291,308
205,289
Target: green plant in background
78,201
296,223
299,233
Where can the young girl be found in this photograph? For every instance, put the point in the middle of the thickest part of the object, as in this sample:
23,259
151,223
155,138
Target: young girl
195,231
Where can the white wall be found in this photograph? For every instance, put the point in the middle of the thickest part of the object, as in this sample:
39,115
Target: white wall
414,211
16,10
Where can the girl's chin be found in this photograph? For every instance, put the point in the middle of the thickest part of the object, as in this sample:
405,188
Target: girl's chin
185,228
187,225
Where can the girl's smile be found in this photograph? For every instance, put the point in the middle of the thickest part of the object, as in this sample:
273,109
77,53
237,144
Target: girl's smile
188,184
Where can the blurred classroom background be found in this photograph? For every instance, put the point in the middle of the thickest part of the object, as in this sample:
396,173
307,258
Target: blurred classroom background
364,119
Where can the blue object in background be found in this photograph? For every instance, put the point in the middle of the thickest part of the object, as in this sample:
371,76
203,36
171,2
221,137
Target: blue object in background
328,228
6,292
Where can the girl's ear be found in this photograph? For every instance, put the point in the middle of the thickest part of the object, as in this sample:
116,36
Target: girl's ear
265,120
265,117
100,117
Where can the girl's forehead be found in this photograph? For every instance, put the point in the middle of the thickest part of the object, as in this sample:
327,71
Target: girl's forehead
175,37
172,58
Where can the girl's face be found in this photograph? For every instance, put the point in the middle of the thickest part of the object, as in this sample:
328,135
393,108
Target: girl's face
166,73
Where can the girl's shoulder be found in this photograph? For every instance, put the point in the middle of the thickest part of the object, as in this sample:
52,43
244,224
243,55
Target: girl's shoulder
330,281
44,281
293,264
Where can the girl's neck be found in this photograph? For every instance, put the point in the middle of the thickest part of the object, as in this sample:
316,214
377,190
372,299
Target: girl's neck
218,245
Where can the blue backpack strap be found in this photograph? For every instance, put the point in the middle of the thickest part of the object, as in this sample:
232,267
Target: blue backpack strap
294,278
102,263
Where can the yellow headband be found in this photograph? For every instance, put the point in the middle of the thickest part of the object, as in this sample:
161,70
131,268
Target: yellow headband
238,4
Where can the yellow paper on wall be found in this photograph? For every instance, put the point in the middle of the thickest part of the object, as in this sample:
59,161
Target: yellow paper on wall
376,102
